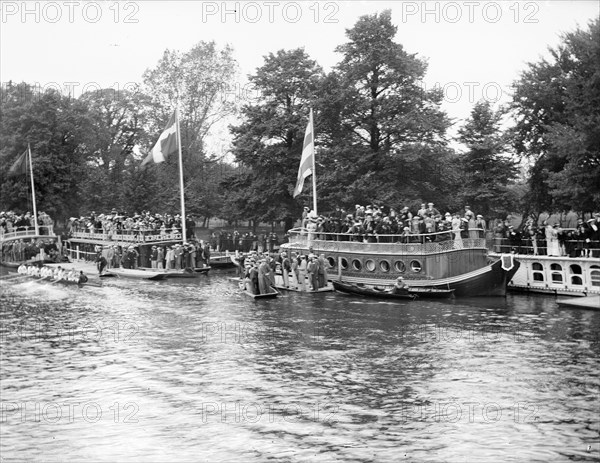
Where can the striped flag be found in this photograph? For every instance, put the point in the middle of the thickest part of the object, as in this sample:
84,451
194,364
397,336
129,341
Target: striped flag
308,156
167,144
19,167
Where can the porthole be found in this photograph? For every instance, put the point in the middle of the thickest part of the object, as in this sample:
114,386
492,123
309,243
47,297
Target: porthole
555,267
356,265
370,265
384,265
331,261
537,266
400,267
344,263
415,266
576,269
576,281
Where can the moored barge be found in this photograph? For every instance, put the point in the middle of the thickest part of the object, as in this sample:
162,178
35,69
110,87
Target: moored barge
425,261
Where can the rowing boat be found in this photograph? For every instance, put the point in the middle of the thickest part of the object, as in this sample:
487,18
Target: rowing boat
350,288
138,274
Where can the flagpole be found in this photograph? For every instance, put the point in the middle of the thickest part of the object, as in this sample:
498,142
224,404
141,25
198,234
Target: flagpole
35,220
180,177
314,170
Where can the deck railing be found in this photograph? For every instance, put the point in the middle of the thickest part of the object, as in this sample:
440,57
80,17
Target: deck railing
425,243
539,247
44,230
129,236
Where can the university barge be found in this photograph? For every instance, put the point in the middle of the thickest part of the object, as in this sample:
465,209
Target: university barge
427,261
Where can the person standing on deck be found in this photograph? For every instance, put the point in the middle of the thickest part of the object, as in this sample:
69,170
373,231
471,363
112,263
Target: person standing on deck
458,244
302,271
154,257
160,257
552,240
254,278
313,272
100,263
295,270
177,253
322,273
264,277
286,266
110,256
206,254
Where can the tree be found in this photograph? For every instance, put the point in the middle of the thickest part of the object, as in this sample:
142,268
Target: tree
486,169
268,143
118,123
200,82
54,126
556,105
385,105
383,134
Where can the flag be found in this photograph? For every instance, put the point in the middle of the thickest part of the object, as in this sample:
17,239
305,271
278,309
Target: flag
19,167
167,143
308,156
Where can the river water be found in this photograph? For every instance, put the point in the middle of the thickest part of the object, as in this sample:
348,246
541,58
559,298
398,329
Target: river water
192,370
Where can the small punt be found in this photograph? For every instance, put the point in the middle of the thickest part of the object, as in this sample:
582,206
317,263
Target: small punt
138,274
350,288
202,270
270,295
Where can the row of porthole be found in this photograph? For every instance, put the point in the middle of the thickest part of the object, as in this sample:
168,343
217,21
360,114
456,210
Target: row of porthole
371,266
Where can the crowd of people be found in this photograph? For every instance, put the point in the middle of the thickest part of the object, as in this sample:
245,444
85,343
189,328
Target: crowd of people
373,223
386,225
192,254
53,273
12,221
549,239
45,249
139,224
260,270
244,242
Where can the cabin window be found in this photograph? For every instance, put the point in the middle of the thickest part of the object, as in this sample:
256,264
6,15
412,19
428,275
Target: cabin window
576,269
556,267
370,265
344,263
415,266
595,275
557,278
332,262
384,265
399,266
537,266
537,276
576,281
356,265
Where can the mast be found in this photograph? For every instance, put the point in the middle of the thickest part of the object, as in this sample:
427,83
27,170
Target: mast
35,217
314,169
183,231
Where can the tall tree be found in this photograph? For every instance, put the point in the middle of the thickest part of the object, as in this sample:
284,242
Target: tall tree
556,105
386,105
54,126
487,170
380,125
201,83
268,143
118,122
